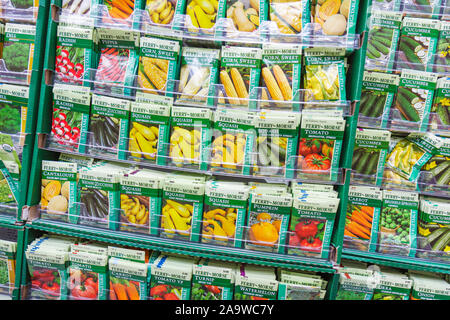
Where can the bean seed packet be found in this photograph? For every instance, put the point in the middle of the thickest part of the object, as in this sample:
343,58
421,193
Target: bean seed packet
240,71
276,143
59,194
18,52
392,287
255,283
433,230
440,110
149,128
74,55
224,213
363,210
198,73
127,279
158,65
213,280
413,101
383,40
398,223
280,74
88,274
325,73
410,154
418,41
377,95
369,155
8,251
311,226
70,125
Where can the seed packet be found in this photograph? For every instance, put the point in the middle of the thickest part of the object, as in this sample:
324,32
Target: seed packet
74,55
161,13
128,253
299,286
429,288
281,70
320,147
392,287
190,136
224,213
421,8
276,143
335,18
88,276
245,15
182,207
442,57
203,14
116,12
47,267
325,73
363,210
354,287
140,201
149,128
99,194
311,226
108,125
13,112
440,110
198,74
398,223
435,174
413,101
268,188
213,280
233,141
418,41
59,191
8,251
158,65
18,52
383,39
255,283
171,278
377,95
118,61
298,186
127,279
433,230
369,155
71,109
267,221
290,17
240,70
76,8
411,153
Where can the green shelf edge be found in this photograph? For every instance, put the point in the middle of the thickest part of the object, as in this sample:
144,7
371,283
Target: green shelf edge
191,249
9,221
396,261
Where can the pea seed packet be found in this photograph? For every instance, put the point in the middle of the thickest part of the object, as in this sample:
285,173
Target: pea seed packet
74,55
383,36
198,73
418,41
411,153
440,110
108,125
171,278
8,251
433,230
392,287
70,125
240,71
158,65
213,280
224,213
398,223
149,128
18,51
253,282
377,95
276,143
140,201
369,155
88,274
363,211
59,191
325,74
413,101
127,279
267,221
190,136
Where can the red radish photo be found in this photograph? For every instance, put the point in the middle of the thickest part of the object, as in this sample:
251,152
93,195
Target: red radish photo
69,67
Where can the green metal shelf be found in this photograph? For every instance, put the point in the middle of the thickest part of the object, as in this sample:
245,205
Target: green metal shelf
183,247
9,222
397,261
